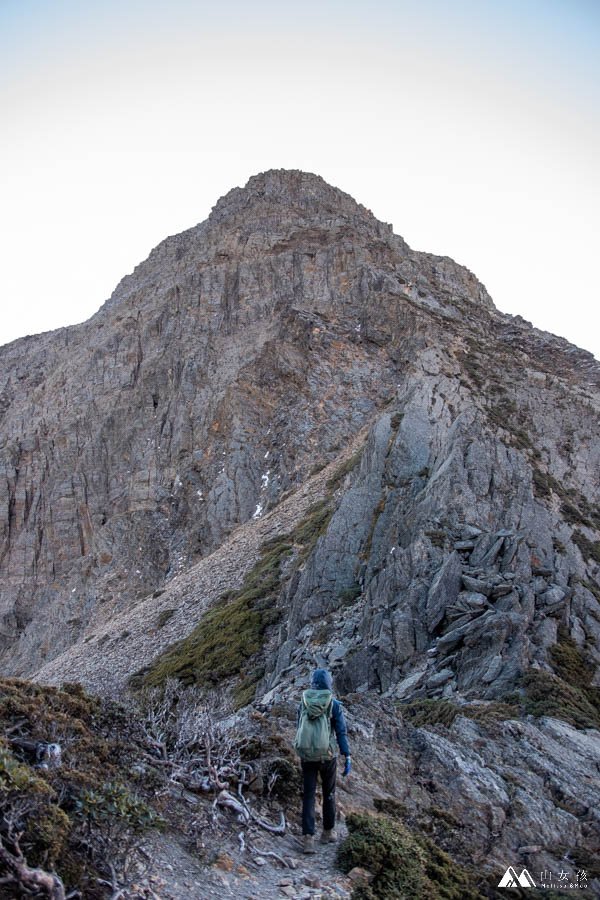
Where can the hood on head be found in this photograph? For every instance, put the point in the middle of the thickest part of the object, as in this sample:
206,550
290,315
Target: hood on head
316,702
322,680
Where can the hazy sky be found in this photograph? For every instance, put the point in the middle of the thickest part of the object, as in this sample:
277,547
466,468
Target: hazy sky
471,125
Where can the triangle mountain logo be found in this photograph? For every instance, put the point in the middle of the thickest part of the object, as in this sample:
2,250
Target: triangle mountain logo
525,879
511,879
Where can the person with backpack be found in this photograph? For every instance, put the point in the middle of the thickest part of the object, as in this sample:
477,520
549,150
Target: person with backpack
321,725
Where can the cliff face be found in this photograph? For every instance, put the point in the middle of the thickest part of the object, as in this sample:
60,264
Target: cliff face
291,374
239,355
132,444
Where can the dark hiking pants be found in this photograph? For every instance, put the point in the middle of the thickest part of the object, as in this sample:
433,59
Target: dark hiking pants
310,774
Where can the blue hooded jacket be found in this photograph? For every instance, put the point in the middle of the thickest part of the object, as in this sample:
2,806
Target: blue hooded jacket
322,681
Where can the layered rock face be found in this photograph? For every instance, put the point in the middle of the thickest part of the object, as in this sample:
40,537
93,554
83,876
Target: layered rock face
215,377
239,355
244,353
293,351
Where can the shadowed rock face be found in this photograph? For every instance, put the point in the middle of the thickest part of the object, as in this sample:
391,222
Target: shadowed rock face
205,386
244,354
238,356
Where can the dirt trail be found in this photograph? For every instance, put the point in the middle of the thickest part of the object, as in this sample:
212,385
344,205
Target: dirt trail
174,873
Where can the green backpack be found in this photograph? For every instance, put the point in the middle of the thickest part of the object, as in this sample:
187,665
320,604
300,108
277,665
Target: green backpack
314,741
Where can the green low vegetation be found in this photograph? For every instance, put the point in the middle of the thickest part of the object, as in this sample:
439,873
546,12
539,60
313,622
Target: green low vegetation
164,616
575,508
591,587
377,512
312,526
346,467
570,663
403,864
504,413
229,638
229,634
589,549
544,484
578,510
437,875
568,694
350,594
547,695
582,859
428,711
76,817
474,369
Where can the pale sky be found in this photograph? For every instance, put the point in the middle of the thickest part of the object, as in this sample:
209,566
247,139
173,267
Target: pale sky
472,126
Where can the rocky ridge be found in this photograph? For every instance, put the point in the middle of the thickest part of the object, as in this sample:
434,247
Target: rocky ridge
289,352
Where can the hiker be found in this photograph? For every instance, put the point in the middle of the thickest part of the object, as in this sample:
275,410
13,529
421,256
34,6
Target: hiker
320,724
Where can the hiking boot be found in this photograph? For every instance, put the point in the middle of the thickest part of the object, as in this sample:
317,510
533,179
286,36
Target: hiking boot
328,836
308,844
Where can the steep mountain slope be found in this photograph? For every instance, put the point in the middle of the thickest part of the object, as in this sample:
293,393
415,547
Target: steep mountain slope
239,355
199,392
289,439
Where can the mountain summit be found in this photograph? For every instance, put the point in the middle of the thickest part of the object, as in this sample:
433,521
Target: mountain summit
302,194
288,439
134,443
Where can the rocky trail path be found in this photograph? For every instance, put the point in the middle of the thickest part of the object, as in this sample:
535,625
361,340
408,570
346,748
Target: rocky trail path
173,872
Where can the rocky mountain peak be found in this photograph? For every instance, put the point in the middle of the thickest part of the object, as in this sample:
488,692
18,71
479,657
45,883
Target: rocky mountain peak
289,440
300,220
280,211
287,193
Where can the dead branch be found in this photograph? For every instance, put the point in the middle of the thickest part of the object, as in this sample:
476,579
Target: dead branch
273,778
184,736
113,884
214,776
15,727
178,790
228,800
273,855
245,768
273,829
23,876
158,762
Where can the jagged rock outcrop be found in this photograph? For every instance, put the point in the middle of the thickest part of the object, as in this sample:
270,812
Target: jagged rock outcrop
153,455
239,355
